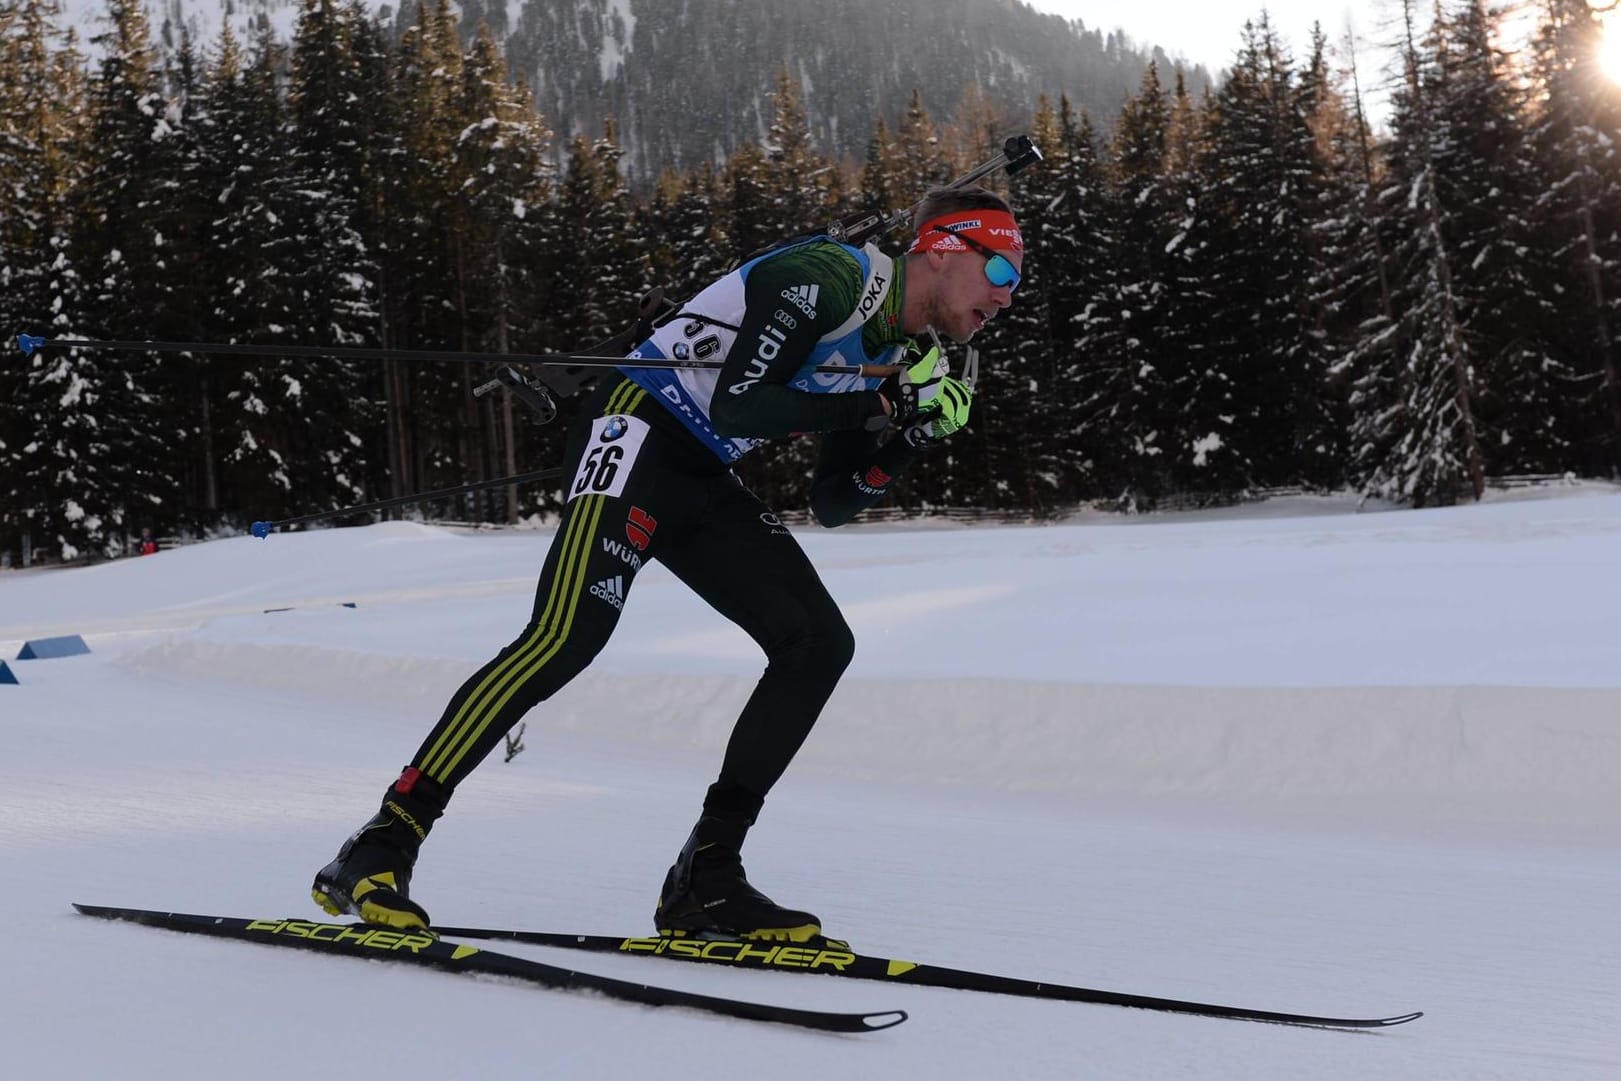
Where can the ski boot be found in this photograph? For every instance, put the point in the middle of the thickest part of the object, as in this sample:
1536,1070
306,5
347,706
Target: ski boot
707,895
371,876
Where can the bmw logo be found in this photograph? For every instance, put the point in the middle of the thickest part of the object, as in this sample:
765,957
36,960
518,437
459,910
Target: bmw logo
614,429
681,351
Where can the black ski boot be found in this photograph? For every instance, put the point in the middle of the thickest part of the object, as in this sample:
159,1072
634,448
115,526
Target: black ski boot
707,894
371,876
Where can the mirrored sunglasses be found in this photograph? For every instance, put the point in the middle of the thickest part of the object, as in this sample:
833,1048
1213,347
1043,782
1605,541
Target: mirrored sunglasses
999,269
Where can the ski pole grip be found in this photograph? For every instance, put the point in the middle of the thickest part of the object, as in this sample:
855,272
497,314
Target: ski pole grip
28,343
260,529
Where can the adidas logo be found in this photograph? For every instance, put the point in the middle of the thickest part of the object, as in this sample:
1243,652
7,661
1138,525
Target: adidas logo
803,297
611,590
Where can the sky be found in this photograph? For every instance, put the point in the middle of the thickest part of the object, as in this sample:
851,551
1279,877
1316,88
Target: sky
1309,755
1208,31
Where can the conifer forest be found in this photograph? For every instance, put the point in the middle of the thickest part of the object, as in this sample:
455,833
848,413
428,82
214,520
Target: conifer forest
1252,286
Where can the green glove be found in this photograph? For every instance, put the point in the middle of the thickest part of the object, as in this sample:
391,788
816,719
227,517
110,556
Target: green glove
910,390
926,374
946,415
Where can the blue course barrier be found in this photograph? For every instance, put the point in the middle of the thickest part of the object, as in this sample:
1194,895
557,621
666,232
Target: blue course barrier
40,649
5,674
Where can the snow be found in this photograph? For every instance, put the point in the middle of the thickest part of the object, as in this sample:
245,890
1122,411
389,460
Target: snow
1289,756
615,49
203,19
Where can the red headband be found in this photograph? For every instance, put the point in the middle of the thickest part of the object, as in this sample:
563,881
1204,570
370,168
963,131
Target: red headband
995,229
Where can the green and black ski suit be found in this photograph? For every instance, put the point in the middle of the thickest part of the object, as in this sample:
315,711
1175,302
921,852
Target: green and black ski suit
649,477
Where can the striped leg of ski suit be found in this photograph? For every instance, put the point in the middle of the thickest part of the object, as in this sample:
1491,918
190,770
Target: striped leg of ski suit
679,505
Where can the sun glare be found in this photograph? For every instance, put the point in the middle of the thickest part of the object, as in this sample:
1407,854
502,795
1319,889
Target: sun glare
1609,50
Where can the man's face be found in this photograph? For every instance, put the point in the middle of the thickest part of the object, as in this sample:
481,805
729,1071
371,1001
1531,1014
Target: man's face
965,298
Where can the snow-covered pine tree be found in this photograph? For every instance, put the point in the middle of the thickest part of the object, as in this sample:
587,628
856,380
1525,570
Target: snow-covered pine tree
182,279
684,225
17,250
1206,304
500,220
876,194
1085,309
749,224
1247,398
327,421
243,138
1345,263
599,285
1355,284
105,437
42,120
1503,276
381,122
1414,426
1125,388
798,178
1576,134
915,160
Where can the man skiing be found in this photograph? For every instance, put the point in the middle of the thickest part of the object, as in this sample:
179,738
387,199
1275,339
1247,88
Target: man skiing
649,461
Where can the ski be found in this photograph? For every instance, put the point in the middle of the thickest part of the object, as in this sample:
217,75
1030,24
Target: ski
833,958
432,951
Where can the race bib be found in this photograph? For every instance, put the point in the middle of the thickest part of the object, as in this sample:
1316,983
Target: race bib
609,456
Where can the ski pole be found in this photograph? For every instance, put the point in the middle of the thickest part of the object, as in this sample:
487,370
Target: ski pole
30,344
264,529
1017,153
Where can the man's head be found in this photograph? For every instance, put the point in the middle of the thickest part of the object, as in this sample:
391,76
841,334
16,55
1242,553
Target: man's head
964,264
